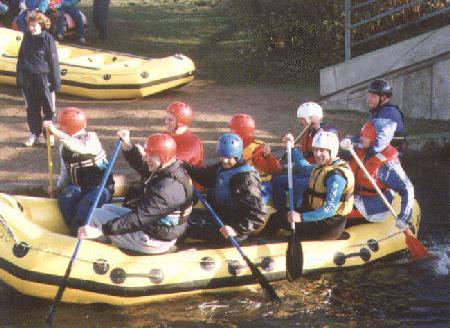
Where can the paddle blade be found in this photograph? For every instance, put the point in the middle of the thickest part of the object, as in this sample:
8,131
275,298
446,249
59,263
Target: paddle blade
262,280
294,257
415,247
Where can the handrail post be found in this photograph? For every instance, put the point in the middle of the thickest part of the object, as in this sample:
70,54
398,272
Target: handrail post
348,30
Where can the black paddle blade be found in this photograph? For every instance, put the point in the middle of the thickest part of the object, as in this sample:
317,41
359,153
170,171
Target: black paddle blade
294,258
262,280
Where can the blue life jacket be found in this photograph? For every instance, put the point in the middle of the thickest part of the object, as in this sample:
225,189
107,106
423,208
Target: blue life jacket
223,192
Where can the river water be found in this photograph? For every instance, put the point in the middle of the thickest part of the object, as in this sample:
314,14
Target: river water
394,293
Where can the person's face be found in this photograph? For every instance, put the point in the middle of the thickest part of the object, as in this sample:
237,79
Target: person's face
153,162
373,100
321,155
34,28
171,122
228,162
302,121
315,120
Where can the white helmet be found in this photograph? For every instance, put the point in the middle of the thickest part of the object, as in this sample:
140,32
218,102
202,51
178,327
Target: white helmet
327,140
308,109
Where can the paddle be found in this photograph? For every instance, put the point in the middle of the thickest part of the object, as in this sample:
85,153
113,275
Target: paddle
297,138
62,286
415,247
51,184
255,271
294,251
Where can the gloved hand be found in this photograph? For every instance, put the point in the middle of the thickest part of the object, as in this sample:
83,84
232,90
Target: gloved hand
401,225
22,6
346,144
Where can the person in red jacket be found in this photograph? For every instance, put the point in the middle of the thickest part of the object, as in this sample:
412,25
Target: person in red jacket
256,152
179,117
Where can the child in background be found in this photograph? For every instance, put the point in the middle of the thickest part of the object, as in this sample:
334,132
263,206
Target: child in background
38,73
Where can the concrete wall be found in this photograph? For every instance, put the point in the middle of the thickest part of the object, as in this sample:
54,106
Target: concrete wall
418,69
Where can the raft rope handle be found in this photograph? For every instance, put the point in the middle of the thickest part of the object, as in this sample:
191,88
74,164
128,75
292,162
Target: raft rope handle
47,251
9,230
378,240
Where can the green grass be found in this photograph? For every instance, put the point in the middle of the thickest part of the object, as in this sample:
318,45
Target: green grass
161,28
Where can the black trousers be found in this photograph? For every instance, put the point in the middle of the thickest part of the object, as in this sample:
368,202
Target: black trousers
100,12
326,229
38,99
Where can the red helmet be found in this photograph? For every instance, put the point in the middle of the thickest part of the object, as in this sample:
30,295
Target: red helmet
368,131
182,112
72,120
162,145
243,125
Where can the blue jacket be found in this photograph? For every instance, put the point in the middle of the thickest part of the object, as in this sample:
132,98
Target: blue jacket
335,187
67,4
388,121
42,5
38,55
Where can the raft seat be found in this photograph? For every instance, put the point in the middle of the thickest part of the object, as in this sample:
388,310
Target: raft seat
41,214
92,61
64,53
9,49
130,63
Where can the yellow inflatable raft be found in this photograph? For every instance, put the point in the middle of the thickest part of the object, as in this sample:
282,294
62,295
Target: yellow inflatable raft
100,74
35,250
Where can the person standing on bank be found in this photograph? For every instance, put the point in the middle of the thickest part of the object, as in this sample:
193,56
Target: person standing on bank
100,13
387,117
160,216
38,74
83,163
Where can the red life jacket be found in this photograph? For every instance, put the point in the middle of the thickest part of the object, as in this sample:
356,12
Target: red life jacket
363,186
189,148
306,145
266,164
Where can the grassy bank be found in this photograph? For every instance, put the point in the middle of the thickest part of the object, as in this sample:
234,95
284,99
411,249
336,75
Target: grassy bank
197,29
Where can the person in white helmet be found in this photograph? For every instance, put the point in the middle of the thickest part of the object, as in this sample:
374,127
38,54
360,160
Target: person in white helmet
308,113
328,196
311,113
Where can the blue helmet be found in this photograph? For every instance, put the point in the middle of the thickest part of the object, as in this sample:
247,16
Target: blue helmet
230,145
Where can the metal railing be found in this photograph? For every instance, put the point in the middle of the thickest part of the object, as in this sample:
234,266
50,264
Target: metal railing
349,26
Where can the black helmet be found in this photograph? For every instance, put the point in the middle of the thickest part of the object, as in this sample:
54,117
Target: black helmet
380,87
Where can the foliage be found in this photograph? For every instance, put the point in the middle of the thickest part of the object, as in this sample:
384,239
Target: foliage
292,39
285,42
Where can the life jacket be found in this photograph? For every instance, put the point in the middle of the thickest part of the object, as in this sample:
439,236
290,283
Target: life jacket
363,186
306,145
189,148
316,192
222,191
181,214
85,171
266,165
